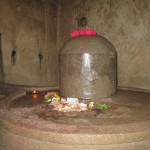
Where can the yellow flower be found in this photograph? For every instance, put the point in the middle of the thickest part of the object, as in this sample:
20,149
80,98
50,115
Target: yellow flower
56,97
91,105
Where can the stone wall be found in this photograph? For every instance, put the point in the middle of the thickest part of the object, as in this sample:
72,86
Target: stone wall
125,23
29,27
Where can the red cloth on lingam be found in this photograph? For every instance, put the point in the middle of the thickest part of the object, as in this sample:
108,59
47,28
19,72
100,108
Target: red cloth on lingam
82,32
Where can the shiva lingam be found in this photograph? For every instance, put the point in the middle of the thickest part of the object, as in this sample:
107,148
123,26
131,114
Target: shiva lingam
87,67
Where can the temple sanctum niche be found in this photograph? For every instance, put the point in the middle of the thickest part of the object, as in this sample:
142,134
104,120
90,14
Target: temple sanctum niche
74,75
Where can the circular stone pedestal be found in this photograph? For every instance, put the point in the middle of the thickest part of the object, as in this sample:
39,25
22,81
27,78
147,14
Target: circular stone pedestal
26,125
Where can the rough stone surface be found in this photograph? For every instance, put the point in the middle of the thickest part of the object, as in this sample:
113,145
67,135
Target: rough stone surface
125,24
88,67
11,141
32,133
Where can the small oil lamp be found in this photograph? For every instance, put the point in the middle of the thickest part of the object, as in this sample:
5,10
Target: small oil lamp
34,92
35,95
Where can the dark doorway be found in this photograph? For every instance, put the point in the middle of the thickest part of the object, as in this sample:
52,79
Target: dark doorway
1,62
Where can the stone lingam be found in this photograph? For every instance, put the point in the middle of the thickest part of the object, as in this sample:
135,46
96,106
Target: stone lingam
88,68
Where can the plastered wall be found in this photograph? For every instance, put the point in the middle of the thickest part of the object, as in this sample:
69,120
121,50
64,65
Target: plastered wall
29,27
33,26
125,23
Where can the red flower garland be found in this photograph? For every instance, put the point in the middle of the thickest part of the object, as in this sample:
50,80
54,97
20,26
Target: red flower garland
82,32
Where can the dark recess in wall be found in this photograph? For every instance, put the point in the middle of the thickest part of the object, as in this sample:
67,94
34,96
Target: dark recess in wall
1,62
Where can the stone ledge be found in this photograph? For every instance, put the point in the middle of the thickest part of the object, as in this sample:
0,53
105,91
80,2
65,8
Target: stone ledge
71,135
